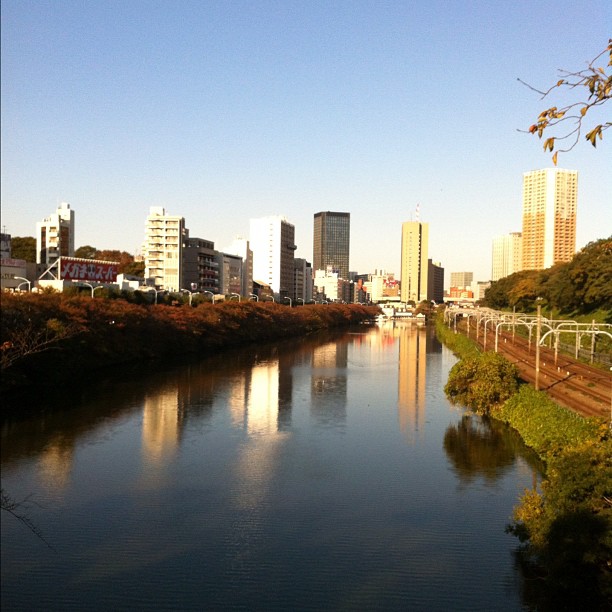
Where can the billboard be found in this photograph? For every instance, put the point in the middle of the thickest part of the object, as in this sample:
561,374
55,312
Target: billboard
75,269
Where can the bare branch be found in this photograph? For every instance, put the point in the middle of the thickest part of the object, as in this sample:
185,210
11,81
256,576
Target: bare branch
599,85
16,509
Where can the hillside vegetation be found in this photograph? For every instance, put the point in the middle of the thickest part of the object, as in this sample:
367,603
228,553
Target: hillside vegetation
578,287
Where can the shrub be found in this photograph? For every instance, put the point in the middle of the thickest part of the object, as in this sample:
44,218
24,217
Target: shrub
482,382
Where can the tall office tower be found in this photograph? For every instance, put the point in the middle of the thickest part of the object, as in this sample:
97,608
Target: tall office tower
507,255
164,238
549,217
415,239
273,243
461,279
55,236
331,242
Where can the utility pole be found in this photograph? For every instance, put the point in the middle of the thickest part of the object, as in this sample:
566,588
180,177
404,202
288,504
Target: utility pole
537,355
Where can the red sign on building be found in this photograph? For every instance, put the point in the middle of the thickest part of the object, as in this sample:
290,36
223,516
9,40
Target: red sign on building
72,268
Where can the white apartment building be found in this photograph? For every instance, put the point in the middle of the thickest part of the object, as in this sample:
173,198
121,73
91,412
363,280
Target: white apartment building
55,236
507,255
163,249
328,283
272,240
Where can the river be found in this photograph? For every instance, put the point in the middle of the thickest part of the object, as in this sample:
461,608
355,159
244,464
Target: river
325,473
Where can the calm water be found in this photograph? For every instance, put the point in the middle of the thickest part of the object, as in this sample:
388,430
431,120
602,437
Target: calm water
321,474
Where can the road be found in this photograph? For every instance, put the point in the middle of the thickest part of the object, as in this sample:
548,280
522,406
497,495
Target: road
583,388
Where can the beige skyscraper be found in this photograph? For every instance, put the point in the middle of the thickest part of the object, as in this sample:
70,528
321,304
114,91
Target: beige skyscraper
415,239
549,217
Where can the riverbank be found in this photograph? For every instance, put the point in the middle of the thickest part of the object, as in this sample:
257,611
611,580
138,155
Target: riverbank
52,340
566,526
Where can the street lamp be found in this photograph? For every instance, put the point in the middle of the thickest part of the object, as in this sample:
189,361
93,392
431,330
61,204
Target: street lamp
156,292
537,355
290,302
235,295
269,297
252,295
190,294
25,280
93,289
300,300
212,295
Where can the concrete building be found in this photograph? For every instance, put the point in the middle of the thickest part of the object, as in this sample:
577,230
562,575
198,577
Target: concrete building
549,217
230,274
200,265
331,242
241,247
163,249
507,257
328,285
302,280
461,279
55,236
415,239
435,281
5,246
272,240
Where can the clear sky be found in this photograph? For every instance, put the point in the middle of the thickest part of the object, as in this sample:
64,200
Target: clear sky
225,111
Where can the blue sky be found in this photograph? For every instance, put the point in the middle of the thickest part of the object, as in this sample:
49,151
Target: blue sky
225,111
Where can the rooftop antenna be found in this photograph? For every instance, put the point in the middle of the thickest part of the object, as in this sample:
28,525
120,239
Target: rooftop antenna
417,213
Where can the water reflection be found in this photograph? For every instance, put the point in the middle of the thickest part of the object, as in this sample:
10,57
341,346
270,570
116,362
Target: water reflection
237,482
329,384
412,379
479,447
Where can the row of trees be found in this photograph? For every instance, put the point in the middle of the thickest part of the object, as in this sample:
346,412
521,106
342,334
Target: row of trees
579,286
46,338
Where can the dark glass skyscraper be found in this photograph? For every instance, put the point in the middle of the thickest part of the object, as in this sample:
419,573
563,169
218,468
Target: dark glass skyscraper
331,241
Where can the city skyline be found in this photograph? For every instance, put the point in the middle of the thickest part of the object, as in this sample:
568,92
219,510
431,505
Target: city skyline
222,113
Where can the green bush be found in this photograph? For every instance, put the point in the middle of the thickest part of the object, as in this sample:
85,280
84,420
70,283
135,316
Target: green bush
482,382
544,425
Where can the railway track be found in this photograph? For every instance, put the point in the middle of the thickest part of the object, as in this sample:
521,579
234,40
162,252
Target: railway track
584,389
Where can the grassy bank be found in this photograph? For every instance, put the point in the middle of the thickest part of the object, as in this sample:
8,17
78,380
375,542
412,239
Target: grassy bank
50,339
566,527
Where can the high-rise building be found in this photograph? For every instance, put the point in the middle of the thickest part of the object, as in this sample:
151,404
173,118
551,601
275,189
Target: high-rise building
415,239
331,242
507,255
272,240
549,217
163,249
55,236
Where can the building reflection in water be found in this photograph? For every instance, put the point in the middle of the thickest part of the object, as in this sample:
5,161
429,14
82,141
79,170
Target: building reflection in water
258,457
328,387
160,428
55,464
411,380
